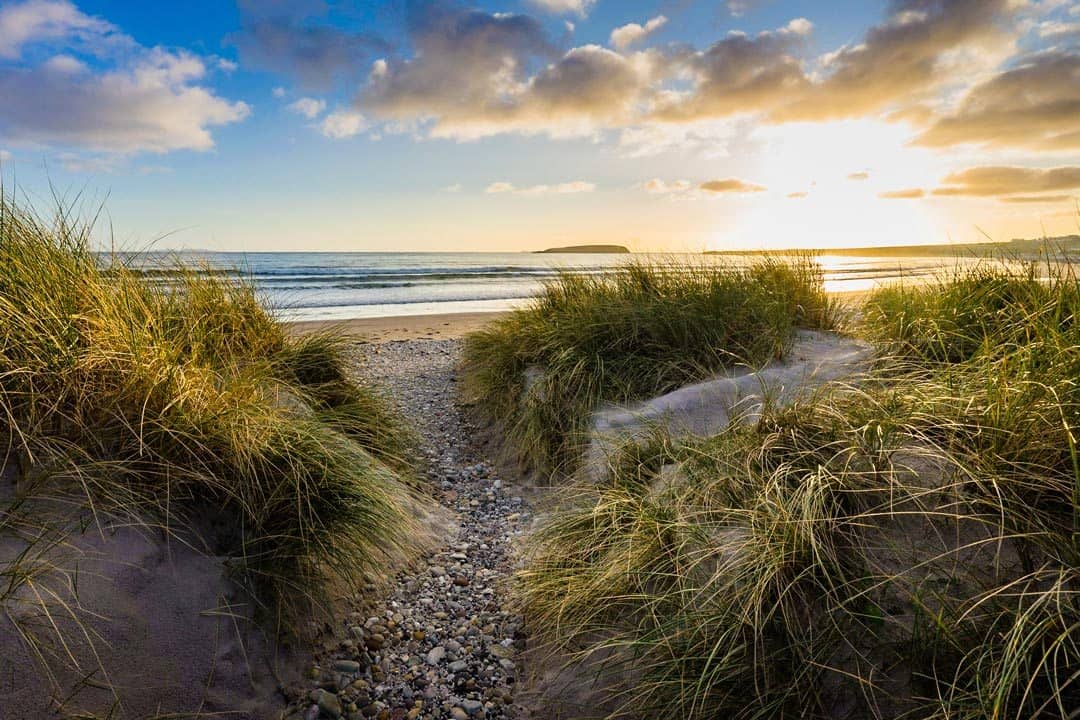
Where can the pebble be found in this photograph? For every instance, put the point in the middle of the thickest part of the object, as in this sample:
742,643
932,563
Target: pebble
441,635
327,702
347,666
472,707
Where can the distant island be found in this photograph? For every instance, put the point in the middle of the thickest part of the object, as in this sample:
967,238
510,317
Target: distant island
1063,244
596,249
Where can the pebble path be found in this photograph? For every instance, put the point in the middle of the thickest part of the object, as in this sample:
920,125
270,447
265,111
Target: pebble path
443,643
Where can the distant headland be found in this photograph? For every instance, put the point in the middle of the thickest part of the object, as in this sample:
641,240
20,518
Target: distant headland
595,249
1064,244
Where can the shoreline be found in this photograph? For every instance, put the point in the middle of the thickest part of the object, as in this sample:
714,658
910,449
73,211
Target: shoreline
394,328
449,326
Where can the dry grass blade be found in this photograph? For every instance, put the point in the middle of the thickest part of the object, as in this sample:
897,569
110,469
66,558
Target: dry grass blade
906,548
638,331
175,399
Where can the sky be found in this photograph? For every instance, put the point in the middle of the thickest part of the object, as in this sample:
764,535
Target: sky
662,125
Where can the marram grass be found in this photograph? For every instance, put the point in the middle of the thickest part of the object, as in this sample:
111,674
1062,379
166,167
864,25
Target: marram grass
642,330
907,548
992,355
185,404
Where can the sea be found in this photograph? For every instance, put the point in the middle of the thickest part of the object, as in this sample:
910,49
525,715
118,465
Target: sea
343,286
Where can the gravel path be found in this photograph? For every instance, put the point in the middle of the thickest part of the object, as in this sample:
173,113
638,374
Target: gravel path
442,644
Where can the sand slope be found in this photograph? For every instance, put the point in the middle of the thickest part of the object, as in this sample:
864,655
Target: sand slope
705,408
134,627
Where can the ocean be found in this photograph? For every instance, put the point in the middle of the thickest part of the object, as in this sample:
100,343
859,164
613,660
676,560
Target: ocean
342,286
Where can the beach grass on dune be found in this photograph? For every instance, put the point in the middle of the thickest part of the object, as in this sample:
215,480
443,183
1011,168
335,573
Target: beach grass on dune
993,357
986,309
641,330
906,548
992,361
187,405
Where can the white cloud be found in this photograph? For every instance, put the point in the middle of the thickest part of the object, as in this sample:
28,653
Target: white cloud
4,155
626,35
342,124
473,74
37,20
65,64
559,7
685,189
1041,7
1054,29
455,188
913,55
310,108
566,188
799,26
471,79
90,164
130,99
98,164
227,65
152,106
278,92
704,138
740,7
657,186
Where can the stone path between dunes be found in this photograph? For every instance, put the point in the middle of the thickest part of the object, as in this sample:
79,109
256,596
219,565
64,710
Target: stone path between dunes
442,644
445,643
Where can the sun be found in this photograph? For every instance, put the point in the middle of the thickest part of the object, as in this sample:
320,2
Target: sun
825,183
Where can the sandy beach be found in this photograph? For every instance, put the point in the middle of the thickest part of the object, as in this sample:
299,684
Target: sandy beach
451,326
404,327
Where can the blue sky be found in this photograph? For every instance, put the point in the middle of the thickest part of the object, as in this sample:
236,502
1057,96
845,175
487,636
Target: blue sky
440,125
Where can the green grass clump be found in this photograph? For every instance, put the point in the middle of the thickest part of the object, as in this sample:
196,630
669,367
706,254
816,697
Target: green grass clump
639,331
993,356
185,404
989,309
722,574
908,548
993,373
829,560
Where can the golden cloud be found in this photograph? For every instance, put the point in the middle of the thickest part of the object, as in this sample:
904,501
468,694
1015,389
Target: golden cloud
1036,106
905,194
992,181
730,185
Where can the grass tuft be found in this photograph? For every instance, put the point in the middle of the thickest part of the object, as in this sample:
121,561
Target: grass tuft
906,548
184,403
639,331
